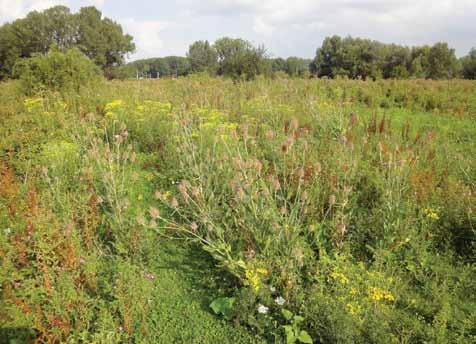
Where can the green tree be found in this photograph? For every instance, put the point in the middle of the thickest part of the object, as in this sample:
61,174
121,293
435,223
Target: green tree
442,61
397,62
239,59
277,64
69,71
297,66
101,39
9,50
178,65
202,57
327,57
420,64
468,64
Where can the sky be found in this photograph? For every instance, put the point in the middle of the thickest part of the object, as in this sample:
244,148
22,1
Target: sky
284,27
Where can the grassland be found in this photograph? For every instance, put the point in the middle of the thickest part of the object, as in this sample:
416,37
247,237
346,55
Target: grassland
337,210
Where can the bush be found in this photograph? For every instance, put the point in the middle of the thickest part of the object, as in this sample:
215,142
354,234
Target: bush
64,72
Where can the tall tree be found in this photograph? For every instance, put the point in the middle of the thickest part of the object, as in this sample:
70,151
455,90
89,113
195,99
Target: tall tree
101,39
297,66
238,58
202,57
420,64
397,62
469,65
442,62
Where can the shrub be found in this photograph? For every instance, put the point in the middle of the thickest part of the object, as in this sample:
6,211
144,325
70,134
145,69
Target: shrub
64,72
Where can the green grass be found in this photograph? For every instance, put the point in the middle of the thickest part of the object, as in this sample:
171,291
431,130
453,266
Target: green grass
181,314
125,211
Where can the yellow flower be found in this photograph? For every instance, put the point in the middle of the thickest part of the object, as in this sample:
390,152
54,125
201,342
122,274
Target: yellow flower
262,271
431,214
31,103
377,294
353,309
115,104
253,277
340,277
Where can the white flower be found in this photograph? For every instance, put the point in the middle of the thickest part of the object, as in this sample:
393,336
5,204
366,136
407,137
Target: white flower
279,300
263,309
273,289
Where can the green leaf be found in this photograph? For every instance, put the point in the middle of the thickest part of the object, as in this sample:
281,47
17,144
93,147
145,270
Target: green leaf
290,336
298,319
304,337
223,306
287,314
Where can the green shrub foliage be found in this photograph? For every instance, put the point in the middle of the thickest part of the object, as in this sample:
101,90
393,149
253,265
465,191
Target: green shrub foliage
68,71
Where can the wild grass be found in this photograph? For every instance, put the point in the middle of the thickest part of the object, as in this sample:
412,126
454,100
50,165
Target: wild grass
337,210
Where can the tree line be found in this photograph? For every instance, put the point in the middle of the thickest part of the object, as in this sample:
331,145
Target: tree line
364,58
350,57
103,41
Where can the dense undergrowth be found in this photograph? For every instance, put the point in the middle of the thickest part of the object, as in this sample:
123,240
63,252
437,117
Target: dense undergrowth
337,210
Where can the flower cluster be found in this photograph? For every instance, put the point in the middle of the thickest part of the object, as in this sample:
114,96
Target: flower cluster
377,294
32,103
340,277
113,106
254,277
431,214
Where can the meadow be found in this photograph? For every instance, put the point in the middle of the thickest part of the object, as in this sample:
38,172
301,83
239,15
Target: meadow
202,210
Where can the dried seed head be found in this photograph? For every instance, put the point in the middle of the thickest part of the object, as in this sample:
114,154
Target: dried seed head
293,124
174,203
244,131
341,229
287,145
265,192
269,135
318,167
154,212
158,195
332,200
238,163
195,191
141,220
274,181
240,193
182,187
119,139
257,165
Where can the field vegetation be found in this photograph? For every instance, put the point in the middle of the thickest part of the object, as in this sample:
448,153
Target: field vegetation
201,210
242,200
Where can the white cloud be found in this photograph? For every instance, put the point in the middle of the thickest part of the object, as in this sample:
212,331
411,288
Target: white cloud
146,36
286,27
14,9
401,21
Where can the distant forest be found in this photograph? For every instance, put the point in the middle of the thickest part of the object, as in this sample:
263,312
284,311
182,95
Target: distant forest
103,41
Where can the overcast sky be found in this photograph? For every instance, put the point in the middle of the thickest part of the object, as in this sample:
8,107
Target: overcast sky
285,27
